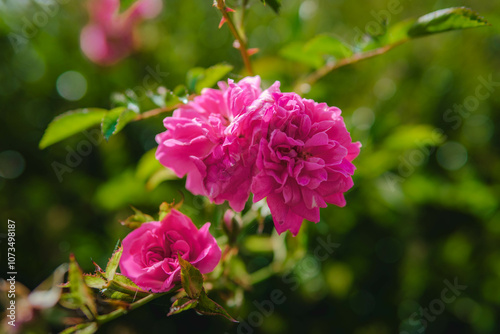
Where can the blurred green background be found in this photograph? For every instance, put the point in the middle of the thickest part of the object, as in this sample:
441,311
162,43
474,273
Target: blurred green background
424,208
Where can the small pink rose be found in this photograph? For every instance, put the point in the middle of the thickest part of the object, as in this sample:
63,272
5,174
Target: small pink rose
149,256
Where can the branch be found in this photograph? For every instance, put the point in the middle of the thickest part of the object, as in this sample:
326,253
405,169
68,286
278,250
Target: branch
102,319
158,111
240,38
327,68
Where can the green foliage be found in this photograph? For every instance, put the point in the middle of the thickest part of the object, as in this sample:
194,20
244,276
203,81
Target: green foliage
274,4
113,263
85,328
318,51
199,78
191,278
115,120
79,296
181,305
445,20
208,307
192,283
137,219
70,123
327,45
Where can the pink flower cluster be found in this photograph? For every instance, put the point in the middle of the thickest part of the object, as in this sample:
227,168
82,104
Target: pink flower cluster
109,36
239,139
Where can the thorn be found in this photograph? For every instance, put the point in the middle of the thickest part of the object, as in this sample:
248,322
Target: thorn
230,10
222,21
252,51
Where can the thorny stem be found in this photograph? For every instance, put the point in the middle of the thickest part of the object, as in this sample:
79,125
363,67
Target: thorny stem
102,319
240,38
300,87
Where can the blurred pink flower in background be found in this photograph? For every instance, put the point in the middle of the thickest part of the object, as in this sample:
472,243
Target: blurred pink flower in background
109,36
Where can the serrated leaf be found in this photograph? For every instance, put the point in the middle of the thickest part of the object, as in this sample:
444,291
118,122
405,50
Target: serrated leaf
95,281
191,278
208,307
445,20
70,123
137,219
327,45
123,284
79,291
85,328
115,120
181,305
113,263
118,295
274,4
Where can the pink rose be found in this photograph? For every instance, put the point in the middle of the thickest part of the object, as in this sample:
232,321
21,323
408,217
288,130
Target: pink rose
304,159
109,36
149,256
204,141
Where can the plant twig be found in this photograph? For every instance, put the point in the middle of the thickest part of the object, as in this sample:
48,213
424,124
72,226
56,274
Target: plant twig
321,72
240,38
154,112
102,319
158,111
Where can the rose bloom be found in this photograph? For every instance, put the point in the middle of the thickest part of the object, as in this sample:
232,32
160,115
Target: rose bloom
204,141
304,159
149,255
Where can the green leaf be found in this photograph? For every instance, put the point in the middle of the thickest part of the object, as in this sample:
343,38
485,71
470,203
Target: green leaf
147,165
327,45
115,120
208,307
123,284
191,278
199,78
258,243
80,293
137,219
181,305
113,263
95,281
295,52
445,20
118,295
164,97
159,176
70,123
85,328
238,272
274,4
